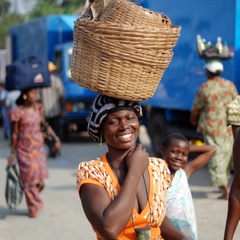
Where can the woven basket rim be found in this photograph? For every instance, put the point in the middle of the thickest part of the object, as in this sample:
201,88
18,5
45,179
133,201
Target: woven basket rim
124,27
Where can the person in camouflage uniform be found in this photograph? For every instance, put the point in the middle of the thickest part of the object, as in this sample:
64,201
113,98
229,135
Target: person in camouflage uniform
209,113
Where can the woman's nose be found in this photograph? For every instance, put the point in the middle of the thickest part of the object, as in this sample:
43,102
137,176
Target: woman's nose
179,155
123,124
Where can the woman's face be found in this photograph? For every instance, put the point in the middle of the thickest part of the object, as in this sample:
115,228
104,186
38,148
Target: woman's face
120,129
32,95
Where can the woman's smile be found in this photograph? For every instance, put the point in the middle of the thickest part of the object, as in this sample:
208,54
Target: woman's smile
125,136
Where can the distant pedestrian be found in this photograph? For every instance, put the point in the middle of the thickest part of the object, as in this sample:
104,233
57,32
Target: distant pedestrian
27,141
52,100
209,113
180,209
11,99
4,112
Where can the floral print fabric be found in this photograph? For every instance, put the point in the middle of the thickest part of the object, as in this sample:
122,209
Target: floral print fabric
210,106
210,109
30,154
30,150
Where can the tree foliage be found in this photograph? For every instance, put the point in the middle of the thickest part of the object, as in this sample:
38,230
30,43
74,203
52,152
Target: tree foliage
41,8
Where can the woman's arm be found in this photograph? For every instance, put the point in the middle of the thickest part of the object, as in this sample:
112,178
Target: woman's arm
205,153
169,232
235,130
234,195
51,132
109,217
15,131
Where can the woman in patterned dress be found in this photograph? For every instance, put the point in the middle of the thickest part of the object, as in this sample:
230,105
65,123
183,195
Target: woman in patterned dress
27,141
209,114
124,189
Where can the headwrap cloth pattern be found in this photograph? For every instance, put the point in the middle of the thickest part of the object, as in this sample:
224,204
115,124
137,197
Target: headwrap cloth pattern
100,109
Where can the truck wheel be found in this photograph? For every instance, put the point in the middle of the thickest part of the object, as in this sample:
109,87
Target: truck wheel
157,130
64,133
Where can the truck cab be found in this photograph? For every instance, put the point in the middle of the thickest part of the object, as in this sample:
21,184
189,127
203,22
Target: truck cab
50,38
77,99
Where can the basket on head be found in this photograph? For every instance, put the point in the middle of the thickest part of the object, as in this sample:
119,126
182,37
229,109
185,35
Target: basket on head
125,53
105,61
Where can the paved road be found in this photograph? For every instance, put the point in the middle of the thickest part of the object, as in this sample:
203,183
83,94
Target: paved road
63,218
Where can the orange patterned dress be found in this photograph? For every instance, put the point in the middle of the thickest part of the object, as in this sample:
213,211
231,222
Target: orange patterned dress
30,153
99,172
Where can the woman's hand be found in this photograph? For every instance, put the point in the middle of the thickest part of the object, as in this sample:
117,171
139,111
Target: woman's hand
57,144
11,159
137,160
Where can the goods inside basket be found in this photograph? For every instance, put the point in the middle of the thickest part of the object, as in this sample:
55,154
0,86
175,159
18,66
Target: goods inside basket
209,51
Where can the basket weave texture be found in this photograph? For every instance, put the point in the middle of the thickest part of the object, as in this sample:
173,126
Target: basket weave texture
122,59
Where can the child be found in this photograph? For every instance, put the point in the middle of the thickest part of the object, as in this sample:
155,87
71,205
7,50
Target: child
180,210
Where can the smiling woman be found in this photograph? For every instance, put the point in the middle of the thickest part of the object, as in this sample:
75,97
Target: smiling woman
123,193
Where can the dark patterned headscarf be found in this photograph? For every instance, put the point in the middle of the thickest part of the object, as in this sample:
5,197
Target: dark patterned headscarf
101,107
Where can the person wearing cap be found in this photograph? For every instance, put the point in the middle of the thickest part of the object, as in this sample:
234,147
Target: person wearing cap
123,192
209,114
52,100
233,119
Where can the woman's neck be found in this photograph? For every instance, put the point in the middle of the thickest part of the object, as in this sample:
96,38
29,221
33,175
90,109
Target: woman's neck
28,105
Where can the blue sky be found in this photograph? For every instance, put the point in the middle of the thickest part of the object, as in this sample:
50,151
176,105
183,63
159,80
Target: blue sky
21,5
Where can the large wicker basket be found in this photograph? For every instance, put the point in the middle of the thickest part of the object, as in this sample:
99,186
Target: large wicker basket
120,60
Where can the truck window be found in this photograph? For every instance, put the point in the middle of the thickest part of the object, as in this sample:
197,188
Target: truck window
58,61
68,63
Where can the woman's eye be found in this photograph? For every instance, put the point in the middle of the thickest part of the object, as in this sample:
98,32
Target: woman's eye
112,122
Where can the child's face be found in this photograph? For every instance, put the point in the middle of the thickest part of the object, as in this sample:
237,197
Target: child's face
176,155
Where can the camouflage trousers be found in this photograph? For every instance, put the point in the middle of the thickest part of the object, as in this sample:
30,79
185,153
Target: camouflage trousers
219,165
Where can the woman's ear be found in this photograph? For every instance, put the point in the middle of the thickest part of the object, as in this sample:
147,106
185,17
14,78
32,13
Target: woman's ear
162,151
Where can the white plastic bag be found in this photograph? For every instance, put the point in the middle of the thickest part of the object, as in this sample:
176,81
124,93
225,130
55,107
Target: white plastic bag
14,189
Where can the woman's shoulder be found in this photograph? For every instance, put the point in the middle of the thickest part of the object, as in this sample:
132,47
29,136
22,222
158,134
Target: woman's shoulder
38,105
91,172
17,112
90,168
157,161
91,163
159,164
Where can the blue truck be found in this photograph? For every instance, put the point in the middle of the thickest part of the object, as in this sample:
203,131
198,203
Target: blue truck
51,38
169,109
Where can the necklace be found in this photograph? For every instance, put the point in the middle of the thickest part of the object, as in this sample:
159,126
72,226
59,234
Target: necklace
120,182
111,164
140,232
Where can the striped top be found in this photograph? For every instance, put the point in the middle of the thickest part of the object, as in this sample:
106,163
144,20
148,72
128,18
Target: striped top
50,97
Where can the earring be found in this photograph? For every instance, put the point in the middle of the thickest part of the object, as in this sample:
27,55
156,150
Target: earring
100,141
24,97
